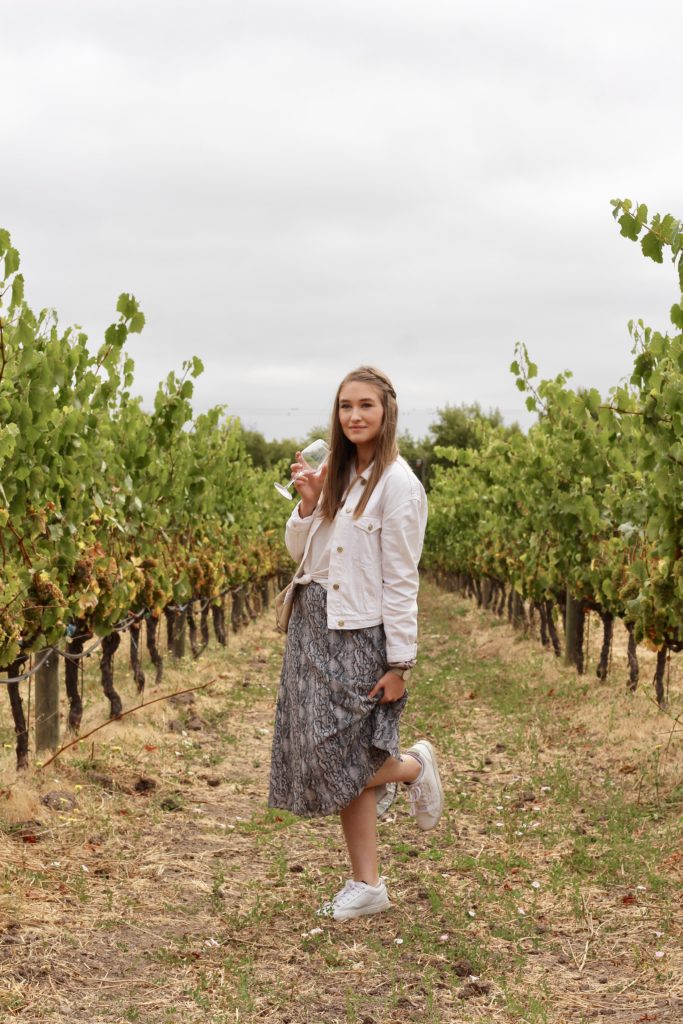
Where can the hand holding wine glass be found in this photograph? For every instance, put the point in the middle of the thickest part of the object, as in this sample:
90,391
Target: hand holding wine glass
308,475
308,482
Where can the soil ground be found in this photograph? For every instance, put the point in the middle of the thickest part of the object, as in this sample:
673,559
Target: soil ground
549,894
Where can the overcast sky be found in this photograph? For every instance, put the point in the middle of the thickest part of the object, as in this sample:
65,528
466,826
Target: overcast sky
294,188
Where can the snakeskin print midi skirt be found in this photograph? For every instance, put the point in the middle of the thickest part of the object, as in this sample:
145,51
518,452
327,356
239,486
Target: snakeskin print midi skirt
329,738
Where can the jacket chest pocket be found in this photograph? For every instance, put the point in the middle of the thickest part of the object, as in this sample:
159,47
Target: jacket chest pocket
367,541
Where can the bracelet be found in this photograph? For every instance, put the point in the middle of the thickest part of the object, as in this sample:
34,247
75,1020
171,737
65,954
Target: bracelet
400,670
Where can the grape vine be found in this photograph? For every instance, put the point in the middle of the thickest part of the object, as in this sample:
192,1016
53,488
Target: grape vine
588,506
107,509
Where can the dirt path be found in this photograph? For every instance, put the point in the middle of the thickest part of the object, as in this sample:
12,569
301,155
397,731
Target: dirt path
550,893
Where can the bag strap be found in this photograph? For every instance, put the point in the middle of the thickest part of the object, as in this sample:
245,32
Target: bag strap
299,567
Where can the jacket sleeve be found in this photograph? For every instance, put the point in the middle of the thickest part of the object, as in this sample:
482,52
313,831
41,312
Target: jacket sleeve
296,532
403,529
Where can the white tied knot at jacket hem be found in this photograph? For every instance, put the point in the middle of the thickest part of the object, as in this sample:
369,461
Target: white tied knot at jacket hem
373,573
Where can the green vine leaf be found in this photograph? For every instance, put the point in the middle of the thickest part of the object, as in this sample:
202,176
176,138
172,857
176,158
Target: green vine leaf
652,247
630,228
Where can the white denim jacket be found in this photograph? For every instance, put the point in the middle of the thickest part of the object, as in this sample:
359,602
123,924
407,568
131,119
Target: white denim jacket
373,559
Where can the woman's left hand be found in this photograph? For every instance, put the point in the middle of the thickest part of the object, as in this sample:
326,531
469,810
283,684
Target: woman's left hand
393,687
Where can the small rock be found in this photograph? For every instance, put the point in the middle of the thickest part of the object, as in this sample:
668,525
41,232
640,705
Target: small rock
213,781
499,748
182,698
194,724
58,800
296,869
524,798
176,726
145,785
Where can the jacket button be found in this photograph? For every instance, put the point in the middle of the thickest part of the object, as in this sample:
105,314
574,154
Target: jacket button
363,482
341,622
335,586
369,526
340,549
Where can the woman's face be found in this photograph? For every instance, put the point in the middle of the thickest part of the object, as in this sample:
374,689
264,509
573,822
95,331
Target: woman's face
361,412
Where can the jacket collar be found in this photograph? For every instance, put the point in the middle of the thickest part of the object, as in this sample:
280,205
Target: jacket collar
364,476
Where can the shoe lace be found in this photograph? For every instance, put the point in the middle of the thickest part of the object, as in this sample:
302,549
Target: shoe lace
347,893
342,897
417,795
414,794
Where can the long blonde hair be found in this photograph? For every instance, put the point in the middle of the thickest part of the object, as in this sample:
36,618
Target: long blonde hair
343,452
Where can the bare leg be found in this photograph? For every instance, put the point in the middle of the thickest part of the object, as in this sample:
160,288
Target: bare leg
359,822
359,819
396,771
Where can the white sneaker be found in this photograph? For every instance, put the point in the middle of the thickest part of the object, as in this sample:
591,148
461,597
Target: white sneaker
426,793
355,900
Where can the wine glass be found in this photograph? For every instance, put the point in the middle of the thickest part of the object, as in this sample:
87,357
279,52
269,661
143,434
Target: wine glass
314,454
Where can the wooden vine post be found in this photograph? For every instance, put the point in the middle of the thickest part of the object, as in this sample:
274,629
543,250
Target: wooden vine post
571,631
47,703
179,624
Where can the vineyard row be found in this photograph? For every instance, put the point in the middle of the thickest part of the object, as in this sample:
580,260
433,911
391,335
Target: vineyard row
585,511
110,514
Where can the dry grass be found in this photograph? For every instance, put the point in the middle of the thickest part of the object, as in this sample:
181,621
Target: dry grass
546,894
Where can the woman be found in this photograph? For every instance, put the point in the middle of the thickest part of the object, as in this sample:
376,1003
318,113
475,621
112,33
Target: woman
357,533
